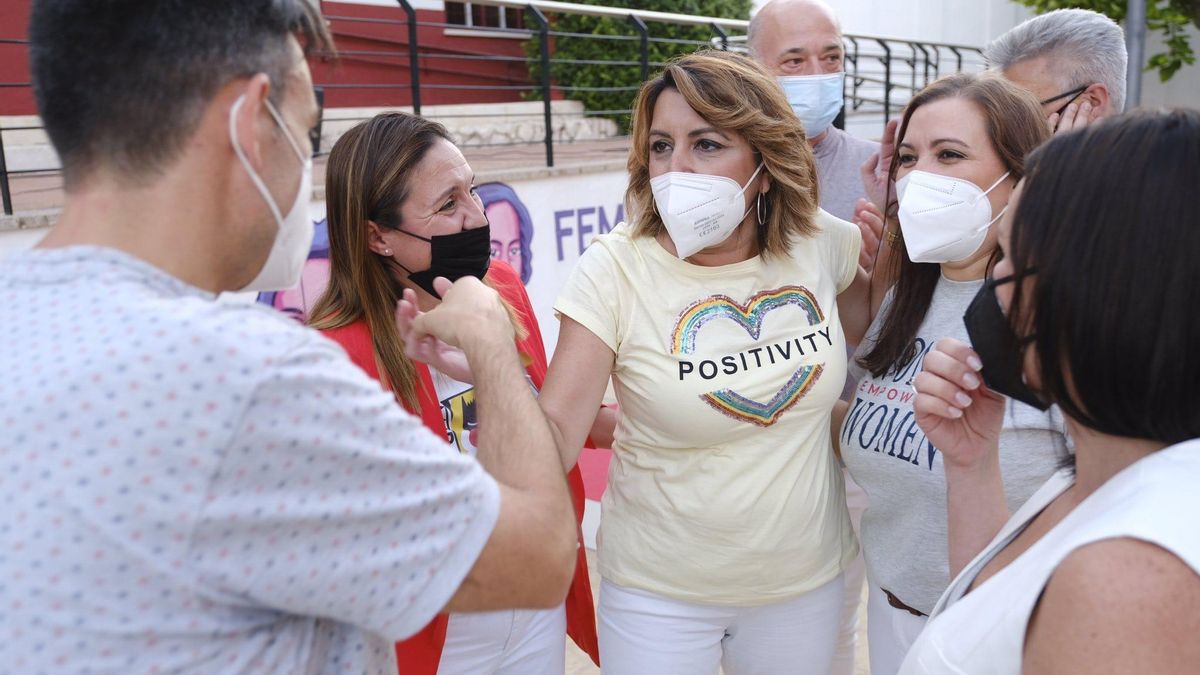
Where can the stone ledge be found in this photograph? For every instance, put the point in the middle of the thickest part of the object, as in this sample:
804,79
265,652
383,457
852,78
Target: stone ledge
28,220
33,220
540,172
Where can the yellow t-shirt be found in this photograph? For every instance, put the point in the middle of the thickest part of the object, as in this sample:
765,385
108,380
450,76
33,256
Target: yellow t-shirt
723,487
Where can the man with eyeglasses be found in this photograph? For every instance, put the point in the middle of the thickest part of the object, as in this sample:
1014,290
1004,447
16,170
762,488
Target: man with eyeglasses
1073,60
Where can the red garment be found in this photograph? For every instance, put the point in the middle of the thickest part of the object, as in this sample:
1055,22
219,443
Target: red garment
421,653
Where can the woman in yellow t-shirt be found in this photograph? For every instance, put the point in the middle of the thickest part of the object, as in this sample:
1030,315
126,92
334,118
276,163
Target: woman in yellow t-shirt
718,313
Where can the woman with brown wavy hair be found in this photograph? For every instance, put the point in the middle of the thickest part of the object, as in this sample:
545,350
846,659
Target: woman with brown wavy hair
960,151
402,211
716,313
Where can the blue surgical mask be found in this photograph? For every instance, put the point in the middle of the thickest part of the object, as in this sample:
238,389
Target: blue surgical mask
816,99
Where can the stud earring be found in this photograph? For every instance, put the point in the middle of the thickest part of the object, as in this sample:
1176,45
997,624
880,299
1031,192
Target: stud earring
387,252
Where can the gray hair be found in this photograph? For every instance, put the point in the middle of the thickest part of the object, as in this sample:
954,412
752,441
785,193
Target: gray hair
1085,48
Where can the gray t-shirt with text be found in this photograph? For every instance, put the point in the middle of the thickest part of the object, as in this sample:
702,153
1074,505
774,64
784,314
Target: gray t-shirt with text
904,529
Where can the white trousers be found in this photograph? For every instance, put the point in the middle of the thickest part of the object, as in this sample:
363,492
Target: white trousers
855,573
890,632
646,634
509,642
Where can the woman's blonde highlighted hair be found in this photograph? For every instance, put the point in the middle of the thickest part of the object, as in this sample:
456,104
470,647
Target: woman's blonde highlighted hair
734,94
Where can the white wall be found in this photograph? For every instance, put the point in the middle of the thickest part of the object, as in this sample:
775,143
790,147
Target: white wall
976,22
1184,88
968,22
567,213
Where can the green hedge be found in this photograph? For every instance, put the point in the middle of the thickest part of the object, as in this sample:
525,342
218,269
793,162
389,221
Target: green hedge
613,75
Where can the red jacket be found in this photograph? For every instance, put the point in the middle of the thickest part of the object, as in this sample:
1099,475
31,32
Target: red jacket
421,653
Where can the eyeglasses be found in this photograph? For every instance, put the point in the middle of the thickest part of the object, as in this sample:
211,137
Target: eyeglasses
1074,94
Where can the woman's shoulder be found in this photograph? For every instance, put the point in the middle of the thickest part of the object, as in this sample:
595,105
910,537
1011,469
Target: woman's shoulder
505,280
619,241
1151,501
828,233
615,250
355,339
1118,604
353,332
834,241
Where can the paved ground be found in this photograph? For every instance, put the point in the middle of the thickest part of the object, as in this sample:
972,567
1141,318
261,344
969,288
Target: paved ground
579,664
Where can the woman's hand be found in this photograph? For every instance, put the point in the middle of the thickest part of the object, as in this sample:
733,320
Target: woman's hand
869,220
959,415
428,349
875,169
1075,116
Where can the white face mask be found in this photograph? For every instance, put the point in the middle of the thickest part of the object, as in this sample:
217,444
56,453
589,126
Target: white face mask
698,210
816,99
294,237
943,219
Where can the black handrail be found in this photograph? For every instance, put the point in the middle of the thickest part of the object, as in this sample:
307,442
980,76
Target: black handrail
544,54
643,44
414,53
874,64
5,191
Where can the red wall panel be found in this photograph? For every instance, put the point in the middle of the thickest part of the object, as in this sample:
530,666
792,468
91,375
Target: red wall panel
373,69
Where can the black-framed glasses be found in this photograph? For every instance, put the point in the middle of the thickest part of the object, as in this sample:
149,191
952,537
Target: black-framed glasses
1073,94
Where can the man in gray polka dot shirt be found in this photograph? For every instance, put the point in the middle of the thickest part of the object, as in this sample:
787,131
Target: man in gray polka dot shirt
189,486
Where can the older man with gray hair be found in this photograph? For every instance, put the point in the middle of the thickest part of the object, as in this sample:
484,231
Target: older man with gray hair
1073,60
800,42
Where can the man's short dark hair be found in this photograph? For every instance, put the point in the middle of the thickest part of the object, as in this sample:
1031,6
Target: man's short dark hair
123,83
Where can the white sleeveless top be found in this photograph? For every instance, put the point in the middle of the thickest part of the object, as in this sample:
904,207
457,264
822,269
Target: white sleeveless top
984,632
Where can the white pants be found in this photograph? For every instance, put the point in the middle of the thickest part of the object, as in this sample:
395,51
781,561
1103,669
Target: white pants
890,632
509,642
646,634
843,656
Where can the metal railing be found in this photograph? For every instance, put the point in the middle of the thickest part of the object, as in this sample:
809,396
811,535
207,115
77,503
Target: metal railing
882,72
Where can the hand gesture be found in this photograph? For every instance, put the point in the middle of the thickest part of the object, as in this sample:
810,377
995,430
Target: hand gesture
875,169
429,350
470,314
959,415
869,220
1074,116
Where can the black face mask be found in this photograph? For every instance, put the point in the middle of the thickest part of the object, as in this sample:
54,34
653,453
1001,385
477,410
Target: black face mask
999,348
454,256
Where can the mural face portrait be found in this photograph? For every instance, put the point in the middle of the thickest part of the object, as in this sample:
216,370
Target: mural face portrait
298,302
506,235
512,228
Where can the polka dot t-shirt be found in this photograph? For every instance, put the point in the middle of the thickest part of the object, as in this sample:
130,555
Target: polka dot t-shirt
190,486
